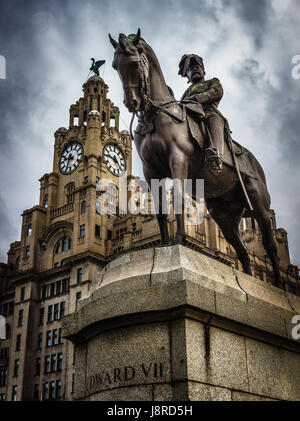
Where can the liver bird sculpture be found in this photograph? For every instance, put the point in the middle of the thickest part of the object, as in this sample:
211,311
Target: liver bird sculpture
96,65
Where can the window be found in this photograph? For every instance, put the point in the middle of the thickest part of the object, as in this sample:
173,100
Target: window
86,179
46,201
2,397
10,308
53,362
83,207
79,275
39,341
50,317
16,368
36,393
41,318
134,227
63,245
62,310
18,343
59,361
97,231
37,366
20,318
45,391
56,264
109,234
58,389
78,295
60,339
3,376
48,340
14,393
52,289
4,353
56,314
52,390
44,292
47,364
70,192
82,230
58,286
22,296
97,179
27,251
55,337
29,230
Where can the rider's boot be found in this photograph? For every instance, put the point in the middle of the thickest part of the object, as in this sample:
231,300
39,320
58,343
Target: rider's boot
214,153
214,159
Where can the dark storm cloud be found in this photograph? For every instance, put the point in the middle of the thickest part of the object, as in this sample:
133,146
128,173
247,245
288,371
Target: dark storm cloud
255,14
8,230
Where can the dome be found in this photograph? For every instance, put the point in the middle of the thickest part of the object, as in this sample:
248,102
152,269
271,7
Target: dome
124,132
95,79
94,113
62,129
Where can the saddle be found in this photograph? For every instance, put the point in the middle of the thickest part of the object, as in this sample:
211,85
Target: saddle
195,119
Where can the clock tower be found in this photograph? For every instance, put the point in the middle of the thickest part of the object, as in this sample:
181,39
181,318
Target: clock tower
91,150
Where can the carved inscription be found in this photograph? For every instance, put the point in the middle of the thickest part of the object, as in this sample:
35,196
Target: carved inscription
122,375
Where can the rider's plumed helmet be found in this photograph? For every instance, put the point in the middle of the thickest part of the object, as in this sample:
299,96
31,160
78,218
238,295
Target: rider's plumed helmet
185,62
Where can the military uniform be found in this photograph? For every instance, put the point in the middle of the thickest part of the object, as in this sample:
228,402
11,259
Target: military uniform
208,93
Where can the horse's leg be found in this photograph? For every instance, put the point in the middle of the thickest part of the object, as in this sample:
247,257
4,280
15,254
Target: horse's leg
179,168
260,200
229,222
158,197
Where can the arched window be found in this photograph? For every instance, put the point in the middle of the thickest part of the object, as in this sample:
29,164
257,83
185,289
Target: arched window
83,207
29,229
64,244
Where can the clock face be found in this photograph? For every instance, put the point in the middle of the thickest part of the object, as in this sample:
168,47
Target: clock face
115,159
70,157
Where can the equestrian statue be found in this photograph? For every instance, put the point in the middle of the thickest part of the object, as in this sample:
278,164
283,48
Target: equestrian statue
191,139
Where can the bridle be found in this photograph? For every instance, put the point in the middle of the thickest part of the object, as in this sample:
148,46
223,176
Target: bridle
144,91
143,83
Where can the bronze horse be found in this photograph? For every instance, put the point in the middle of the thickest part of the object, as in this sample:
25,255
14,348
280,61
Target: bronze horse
167,149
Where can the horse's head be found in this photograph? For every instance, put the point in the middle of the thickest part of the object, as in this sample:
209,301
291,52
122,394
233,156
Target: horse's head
132,66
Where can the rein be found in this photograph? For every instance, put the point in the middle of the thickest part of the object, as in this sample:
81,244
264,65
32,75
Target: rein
149,103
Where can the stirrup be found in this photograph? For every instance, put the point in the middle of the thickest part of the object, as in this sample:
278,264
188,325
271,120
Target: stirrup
213,158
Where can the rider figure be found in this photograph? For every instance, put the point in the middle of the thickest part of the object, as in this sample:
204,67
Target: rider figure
208,93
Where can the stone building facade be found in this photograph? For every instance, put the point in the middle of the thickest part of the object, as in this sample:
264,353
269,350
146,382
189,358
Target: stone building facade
67,239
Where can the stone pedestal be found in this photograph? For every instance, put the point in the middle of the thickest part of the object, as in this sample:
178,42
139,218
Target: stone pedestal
172,324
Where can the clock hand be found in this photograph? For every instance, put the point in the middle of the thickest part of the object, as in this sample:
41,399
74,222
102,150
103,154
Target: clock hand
115,159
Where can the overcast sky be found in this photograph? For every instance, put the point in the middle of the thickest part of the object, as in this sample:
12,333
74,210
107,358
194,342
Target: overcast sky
247,44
